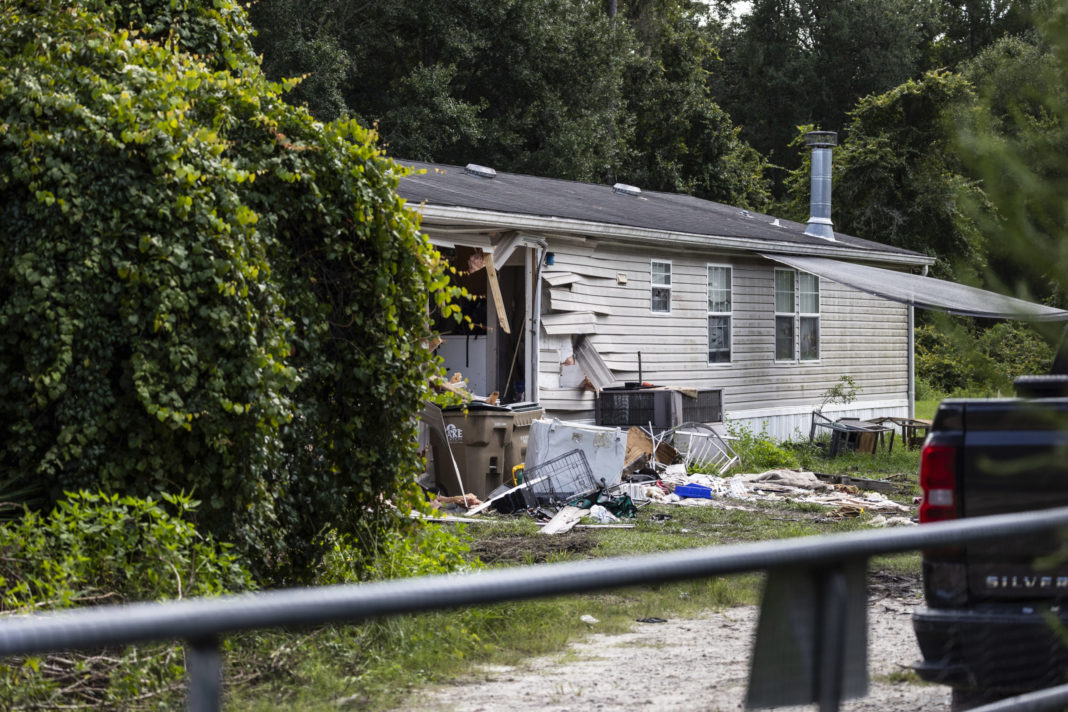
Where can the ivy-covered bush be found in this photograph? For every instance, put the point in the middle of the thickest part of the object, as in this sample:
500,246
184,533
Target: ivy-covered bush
202,289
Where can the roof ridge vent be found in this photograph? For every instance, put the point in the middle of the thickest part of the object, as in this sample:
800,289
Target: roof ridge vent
624,189
473,169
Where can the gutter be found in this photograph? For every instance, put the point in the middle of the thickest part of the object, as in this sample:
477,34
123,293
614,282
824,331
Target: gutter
437,217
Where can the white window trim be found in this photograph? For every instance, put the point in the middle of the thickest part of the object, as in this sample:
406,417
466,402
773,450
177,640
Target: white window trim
792,314
653,285
729,315
819,320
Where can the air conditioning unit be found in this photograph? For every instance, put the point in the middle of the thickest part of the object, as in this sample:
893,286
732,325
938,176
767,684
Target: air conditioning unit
707,407
638,406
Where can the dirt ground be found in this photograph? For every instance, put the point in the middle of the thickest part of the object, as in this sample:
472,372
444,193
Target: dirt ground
694,664
531,550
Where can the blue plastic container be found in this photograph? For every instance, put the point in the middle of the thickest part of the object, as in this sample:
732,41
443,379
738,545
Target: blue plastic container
694,491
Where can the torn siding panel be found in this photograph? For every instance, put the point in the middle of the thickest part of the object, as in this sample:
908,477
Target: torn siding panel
570,323
564,300
560,279
586,268
593,365
568,399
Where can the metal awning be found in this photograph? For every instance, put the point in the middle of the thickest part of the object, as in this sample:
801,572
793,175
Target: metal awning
922,292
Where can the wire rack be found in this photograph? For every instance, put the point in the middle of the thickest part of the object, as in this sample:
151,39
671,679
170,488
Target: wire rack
559,480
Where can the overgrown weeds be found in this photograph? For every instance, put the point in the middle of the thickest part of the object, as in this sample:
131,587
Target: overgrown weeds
94,549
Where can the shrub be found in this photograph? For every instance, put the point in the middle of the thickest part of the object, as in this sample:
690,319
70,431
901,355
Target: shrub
95,547
960,358
201,288
758,451
105,549
426,549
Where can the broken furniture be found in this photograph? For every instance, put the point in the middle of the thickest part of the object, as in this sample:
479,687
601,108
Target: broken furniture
700,445
850,434
864,436
913,430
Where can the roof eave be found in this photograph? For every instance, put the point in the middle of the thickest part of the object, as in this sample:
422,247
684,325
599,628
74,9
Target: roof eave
453,216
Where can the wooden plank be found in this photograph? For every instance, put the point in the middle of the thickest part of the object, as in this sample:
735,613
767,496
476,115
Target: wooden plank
495,289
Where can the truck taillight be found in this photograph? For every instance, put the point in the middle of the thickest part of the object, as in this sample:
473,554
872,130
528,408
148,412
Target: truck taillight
938,480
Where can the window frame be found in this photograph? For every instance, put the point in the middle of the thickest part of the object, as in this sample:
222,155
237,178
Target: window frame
728,314
792,314
653,285
816,315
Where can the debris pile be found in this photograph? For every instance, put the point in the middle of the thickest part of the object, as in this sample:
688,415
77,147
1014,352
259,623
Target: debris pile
574,471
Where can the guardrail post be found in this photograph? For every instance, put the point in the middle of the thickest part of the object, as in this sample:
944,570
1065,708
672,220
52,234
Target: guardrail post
811,643
203,666
831,639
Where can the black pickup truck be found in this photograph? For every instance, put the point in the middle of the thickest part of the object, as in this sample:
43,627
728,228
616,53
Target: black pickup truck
996,616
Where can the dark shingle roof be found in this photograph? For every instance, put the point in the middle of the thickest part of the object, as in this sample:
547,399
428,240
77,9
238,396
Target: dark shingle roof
444,185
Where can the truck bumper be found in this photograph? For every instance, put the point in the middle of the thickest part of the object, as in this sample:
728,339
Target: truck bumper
993,647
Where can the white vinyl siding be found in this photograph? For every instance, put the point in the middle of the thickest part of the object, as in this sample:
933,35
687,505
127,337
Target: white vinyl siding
660,283
784,315
720,310
859,334
809,317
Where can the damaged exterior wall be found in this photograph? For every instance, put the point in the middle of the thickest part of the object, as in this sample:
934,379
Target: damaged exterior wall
604,292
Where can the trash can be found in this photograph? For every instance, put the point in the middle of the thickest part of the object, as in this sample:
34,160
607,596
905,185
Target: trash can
523,414
478,439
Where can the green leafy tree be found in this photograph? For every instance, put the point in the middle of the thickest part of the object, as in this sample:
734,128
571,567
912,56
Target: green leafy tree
683,141
203,288
1014,139
549,87
304,40
794,62
966,27
896,178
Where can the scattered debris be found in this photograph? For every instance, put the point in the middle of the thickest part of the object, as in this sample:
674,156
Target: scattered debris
588,619
574,470
602,515
564,521
651,620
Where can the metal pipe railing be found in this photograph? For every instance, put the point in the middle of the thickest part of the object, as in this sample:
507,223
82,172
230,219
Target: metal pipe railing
201,622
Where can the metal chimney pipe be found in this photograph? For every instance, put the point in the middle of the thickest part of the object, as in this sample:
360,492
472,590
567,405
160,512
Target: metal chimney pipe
819,220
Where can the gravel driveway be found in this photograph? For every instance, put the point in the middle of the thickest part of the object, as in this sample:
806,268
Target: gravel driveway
692,664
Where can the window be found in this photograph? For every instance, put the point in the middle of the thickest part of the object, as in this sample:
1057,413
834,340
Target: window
784,315
802,313
810,317
661,286
719,314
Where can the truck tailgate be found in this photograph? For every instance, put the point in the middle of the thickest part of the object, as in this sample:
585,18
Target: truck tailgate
1015,458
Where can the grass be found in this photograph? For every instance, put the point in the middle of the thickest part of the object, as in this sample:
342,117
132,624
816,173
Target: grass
381,664
926,408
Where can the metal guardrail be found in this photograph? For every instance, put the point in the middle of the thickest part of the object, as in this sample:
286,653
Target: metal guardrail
201,622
